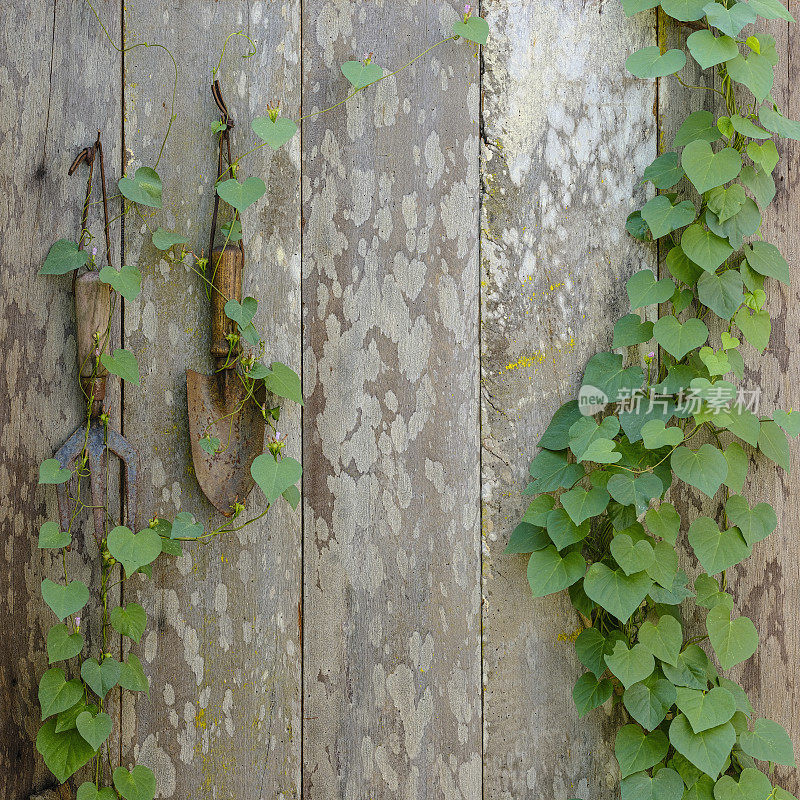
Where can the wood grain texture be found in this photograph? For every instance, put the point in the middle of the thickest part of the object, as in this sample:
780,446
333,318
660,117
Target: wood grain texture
392,704
567,135
59,84
223,646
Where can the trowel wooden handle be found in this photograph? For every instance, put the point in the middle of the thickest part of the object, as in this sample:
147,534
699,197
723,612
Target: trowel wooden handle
92,316
226,269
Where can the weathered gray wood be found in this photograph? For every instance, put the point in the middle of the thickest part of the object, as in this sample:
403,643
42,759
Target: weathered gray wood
223,647
392,704
767,585
59,83
568,134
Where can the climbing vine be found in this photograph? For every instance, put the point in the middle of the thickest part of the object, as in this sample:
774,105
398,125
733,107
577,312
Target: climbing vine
74,694
599,524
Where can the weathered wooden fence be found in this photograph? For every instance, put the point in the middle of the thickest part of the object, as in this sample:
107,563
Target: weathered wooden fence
440,256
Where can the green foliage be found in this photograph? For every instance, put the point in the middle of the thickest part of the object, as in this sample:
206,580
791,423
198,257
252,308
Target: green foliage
63,257
473,29
127,282
361,74
274,132
134,550
65,600
164,240
241,195
602,474
138,784
275,476
50,471
122,363
143,188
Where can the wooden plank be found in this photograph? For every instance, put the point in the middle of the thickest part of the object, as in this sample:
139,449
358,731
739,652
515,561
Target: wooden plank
51,106
223,648
392,703
567,135
767,585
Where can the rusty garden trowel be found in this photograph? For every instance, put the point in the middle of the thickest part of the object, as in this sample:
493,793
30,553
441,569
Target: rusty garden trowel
218,404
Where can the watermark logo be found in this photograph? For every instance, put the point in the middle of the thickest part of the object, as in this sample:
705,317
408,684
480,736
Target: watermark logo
591,400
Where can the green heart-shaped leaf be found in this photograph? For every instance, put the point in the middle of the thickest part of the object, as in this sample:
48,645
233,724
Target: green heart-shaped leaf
716,550
726,202
273,477
65,600
132,677
664,522
164,239
134,550
590,649
122,363
771,9
768,742
51,536
129,621
752,785
61,644
563,531
678,339
730,20
721,293
548,572
767,260
144,188
63,257
666,784
707,169
276,133
586,431
94,728
747,127
709,50
760,184
605,372
764,155
684,10
631,7
632,558
50,471
698,125
637,750
663,639
755,524
138,784
773,444
734,641
631,330
581,504
648,702
649,63
552,471
185,527
709,594
527,538
664,172
777,123
361,75
656,435
537,511
284,382
756,327
789,421
708,750
127,282
589,693
618,593
630,666
706,710
664,569
692,670
65,752
556,437
241,313
705,469
56,693
241,195
100,678
88,791
704,247
662,217
754,72
475,29
645,290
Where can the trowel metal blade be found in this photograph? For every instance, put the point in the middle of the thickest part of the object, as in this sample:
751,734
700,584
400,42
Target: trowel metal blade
224,477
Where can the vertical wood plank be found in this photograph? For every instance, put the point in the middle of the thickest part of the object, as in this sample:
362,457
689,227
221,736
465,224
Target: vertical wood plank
567,135
52,102
767,585
391,580
223,646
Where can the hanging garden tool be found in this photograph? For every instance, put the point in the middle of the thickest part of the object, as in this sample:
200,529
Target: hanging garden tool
88,447
223,408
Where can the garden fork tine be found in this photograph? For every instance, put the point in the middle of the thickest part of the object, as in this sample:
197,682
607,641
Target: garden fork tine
93,317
